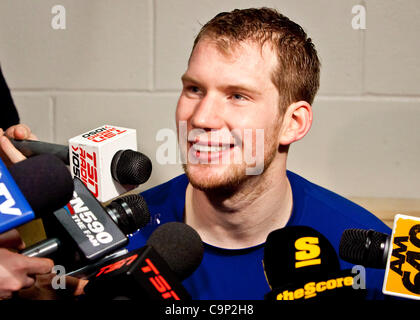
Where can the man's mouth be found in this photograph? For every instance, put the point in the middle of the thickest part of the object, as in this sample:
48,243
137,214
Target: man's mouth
210,148
205,151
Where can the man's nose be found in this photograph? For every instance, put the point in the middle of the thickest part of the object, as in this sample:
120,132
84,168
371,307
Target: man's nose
208,113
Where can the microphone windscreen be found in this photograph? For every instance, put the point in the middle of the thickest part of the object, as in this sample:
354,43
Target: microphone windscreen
364,247
296,253
132,212
180,246
45,182
131,167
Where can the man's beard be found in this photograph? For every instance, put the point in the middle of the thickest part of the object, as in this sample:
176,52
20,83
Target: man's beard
231,178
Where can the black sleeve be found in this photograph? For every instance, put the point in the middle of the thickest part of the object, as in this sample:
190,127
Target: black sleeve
8,113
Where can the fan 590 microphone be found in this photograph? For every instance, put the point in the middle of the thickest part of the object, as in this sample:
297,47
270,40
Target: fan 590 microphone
84,231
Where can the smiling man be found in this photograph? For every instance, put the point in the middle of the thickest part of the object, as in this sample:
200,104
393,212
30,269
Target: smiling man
250,71
223,92
254,71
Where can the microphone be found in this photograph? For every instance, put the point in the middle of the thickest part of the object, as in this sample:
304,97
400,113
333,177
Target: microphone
173,252
105,159
399,254
365,247
300,264
31,189
84,231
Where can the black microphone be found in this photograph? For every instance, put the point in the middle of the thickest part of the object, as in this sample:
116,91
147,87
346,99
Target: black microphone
30,148
398,254
365,247
128,167
173,252
45,183
300,264
129,212
84,231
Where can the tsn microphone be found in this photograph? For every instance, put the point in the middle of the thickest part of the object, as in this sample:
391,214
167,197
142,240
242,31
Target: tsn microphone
105,159
31,189
399,254
300,264
84,231
154,272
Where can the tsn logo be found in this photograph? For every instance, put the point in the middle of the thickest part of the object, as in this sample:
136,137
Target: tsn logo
85,168
101,134
148,268
117,265
158,281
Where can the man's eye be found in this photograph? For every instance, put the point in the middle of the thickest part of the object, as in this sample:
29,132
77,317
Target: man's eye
193,89
238,96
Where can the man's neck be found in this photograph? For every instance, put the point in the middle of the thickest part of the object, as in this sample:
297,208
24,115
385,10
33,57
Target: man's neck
244,218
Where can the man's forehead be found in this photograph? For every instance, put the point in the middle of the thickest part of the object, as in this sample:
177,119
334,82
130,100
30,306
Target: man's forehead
248,67
234,51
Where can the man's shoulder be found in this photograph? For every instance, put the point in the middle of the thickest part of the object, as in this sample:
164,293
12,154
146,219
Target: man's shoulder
331,205
331,214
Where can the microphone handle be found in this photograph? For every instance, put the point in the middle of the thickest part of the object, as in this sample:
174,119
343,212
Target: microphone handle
90,270
31,148
43,248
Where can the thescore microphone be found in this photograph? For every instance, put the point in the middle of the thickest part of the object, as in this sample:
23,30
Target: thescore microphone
398,253
31,189
154,272
84,231
300,264
105,159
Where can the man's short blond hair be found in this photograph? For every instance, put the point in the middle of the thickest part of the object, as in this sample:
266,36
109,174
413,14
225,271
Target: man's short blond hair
297,73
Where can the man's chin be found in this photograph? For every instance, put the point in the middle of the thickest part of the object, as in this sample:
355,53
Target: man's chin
209,179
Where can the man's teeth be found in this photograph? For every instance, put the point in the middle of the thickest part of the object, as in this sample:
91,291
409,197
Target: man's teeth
204,148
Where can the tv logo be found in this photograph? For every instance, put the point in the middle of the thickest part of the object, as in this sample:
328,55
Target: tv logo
8,205
14,209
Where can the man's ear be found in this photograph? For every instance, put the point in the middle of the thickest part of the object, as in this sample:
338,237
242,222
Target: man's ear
297,121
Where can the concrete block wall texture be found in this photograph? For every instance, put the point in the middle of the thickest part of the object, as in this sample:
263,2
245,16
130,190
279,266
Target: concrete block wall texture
120,63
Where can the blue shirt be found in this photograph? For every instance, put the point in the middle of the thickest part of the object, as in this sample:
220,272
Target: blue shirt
238,274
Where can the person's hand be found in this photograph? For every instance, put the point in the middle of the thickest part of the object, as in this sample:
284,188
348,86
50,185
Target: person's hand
47,288
8,152
18,271
11,239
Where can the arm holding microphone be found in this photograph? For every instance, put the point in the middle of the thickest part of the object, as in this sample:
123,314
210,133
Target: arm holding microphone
93,209
8,152
28,277
18,271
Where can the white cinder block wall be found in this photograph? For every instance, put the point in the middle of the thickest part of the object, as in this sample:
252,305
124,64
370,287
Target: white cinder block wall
120,62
